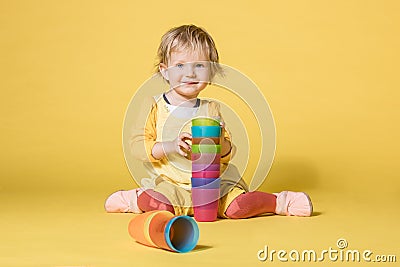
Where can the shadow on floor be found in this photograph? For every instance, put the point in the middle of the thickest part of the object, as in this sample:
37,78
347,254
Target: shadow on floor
201,248
316,213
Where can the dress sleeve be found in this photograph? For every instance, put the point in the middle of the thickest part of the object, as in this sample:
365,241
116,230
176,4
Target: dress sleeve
144,133
214,110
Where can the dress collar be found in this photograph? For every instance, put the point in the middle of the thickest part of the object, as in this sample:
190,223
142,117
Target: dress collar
167,101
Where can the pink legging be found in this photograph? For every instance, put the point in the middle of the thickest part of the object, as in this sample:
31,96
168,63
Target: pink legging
246,205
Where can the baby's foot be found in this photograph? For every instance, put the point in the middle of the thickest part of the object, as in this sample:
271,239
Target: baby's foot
293,203
124,201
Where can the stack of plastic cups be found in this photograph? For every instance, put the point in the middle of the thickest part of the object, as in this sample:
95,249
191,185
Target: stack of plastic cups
206,156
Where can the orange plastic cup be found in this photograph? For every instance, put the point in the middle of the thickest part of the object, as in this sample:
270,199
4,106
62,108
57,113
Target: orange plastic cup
161,229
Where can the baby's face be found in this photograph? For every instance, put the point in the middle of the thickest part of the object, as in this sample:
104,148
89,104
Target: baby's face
188,73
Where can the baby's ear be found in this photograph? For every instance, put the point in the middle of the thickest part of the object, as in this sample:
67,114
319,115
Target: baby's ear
163,70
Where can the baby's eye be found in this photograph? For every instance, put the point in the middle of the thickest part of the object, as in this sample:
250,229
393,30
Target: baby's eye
179,65
199,65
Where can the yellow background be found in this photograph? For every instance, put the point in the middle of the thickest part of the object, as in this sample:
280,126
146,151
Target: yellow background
330,72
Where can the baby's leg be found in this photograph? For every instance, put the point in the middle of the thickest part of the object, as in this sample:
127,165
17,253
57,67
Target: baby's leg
255,203
251,204
152,200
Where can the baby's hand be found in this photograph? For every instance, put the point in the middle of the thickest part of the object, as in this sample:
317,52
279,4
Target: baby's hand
180,146
226,145
221,123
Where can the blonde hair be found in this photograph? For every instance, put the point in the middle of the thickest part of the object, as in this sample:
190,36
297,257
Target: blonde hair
192,38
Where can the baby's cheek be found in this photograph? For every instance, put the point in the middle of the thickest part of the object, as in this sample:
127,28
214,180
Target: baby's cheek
202,86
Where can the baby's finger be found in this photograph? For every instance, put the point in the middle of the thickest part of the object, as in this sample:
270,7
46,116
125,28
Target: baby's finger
218,118
179,148
221,122
184,145
185,135
182,153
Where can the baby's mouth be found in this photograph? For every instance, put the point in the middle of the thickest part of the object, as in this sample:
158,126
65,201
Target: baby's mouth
191,83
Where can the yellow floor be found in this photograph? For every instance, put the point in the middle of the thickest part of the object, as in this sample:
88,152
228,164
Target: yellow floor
72,229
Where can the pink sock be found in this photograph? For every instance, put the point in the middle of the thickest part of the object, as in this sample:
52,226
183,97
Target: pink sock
251,204
151,200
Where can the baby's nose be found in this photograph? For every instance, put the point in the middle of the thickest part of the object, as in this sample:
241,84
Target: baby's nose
190,71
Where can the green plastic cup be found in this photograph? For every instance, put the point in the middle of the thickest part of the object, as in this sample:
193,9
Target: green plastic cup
206,149
205,122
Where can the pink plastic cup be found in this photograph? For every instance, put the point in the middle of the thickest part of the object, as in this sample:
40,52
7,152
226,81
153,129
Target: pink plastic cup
205,167
205,204
206,174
